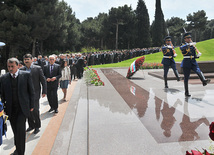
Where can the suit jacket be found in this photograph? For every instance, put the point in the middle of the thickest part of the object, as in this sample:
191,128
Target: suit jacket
56,73
26,92
41,62
80,63
38,78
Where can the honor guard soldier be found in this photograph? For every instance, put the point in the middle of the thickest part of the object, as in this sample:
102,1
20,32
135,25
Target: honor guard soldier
168,59
190,53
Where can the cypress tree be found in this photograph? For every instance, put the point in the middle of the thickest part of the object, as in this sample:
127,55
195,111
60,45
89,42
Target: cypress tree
142,25
158,27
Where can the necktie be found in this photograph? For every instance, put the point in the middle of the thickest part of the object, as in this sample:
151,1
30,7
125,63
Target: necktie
14,76
51,69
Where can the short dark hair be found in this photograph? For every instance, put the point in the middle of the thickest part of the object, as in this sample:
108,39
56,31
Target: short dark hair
12,60
28,56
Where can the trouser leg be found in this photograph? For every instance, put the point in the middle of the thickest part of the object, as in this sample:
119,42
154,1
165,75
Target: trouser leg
55,99
186,79
18,125
166,69
49,97
175,71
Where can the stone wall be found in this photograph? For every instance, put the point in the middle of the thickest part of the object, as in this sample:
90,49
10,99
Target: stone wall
205,66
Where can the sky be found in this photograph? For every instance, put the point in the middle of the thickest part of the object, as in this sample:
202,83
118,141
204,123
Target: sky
170,8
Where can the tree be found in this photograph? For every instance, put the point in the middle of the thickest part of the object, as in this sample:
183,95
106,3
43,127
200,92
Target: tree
175,27
197,22
14,30
158,26
142,25
121,18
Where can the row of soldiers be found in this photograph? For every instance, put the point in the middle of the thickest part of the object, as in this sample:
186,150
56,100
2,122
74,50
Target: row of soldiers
190,54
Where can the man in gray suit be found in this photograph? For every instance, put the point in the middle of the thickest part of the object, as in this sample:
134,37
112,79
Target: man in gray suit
38,79
17,94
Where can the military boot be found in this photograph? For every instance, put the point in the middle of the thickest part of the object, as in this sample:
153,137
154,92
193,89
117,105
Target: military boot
165,81
177,75
186,89
202,78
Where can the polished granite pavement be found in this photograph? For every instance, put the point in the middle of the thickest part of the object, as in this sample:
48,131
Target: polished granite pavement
138,116
135,116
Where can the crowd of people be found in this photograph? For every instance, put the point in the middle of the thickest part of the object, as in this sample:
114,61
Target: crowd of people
31,78
115,56
23,85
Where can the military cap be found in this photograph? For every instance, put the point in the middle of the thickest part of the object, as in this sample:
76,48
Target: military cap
167,38
187,35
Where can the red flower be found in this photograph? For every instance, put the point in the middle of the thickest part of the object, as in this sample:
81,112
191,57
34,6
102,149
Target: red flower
211,134
194,153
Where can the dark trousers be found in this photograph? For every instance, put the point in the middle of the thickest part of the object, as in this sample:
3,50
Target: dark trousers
187,71
73,72
18,124
52,97
34,121
166,69
80,72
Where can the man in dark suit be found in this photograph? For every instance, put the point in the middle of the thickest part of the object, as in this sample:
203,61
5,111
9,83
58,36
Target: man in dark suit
72,62
38,79
52,74
17,94
41,61
80,64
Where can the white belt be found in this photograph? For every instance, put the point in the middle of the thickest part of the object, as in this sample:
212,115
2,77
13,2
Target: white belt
189,57
167,57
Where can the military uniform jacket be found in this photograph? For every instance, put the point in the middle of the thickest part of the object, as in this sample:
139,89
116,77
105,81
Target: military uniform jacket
168,52
188,51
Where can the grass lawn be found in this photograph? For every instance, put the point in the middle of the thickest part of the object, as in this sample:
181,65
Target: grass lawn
205,47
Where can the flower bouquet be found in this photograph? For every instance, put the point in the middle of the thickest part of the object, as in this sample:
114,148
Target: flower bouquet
205,152
92,77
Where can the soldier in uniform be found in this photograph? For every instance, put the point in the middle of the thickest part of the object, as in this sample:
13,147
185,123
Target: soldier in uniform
190,53
168,59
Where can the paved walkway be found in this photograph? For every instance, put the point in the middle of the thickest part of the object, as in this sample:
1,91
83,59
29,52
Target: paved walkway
125,117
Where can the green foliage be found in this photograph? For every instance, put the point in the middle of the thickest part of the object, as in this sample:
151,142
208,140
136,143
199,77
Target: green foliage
158,27
89,49
44,26
92,77
197,23
175,27
143,26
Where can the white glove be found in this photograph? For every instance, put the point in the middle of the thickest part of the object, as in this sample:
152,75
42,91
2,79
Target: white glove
192,44
199,54
175,55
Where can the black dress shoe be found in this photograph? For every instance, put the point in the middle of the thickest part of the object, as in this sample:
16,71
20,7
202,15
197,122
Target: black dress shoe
29,129
14,153
51,109
56,111
36,130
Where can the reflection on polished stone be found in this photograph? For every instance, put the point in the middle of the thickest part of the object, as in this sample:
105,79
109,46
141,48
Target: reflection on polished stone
166,118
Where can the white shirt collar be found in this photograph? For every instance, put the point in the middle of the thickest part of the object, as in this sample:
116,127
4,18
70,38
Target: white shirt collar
16,74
